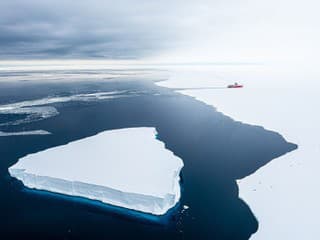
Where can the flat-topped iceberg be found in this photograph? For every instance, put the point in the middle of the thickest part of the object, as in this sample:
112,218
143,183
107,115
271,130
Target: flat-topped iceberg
128,168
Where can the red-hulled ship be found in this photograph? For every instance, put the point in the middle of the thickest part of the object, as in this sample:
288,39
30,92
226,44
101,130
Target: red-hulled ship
235,85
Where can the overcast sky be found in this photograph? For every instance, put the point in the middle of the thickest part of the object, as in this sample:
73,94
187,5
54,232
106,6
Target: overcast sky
172,30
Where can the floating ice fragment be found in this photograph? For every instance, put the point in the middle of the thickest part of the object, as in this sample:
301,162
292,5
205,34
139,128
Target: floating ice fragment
127,168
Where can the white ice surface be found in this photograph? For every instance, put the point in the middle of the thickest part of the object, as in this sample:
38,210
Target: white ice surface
128,168
38,109
284,195
33,132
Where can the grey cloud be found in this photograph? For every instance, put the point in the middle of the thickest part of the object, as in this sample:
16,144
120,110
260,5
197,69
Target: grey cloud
91,29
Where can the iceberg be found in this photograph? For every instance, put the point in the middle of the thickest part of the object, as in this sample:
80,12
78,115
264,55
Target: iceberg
127,168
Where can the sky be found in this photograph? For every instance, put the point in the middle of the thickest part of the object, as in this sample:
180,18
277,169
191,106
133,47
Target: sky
166,30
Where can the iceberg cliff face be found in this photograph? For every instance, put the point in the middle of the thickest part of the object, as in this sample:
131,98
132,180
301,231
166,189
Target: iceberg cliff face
127,168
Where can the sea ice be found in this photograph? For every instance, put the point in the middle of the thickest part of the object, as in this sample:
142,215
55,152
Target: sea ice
283,194
129,168
39,109
23,133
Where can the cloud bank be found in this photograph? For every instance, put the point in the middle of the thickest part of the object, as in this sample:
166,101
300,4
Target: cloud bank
123,29
217,30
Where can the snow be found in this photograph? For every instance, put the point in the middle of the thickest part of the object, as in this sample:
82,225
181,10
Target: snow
284,194
128,168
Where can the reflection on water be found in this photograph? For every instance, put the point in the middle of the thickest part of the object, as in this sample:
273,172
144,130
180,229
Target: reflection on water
215,149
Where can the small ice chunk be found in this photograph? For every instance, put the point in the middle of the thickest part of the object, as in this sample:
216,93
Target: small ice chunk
34,132
185,207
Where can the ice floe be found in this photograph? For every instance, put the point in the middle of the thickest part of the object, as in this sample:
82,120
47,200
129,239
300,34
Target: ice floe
129,168
33,132
40,109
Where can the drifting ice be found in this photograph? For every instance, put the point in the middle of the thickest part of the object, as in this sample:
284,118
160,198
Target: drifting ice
23,133
127,168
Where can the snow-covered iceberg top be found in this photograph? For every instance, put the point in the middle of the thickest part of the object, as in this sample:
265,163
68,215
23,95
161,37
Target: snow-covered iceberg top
129,168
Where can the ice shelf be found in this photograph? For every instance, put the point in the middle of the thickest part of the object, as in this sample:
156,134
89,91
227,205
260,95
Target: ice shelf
128,168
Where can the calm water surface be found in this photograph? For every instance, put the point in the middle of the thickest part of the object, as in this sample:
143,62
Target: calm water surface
216,151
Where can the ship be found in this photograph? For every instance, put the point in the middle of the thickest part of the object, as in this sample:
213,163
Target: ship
235,85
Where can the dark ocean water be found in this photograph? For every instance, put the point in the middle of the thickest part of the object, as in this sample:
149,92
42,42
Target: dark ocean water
216,151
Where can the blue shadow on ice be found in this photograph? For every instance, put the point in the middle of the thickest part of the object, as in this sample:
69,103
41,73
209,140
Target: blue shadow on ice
101,207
